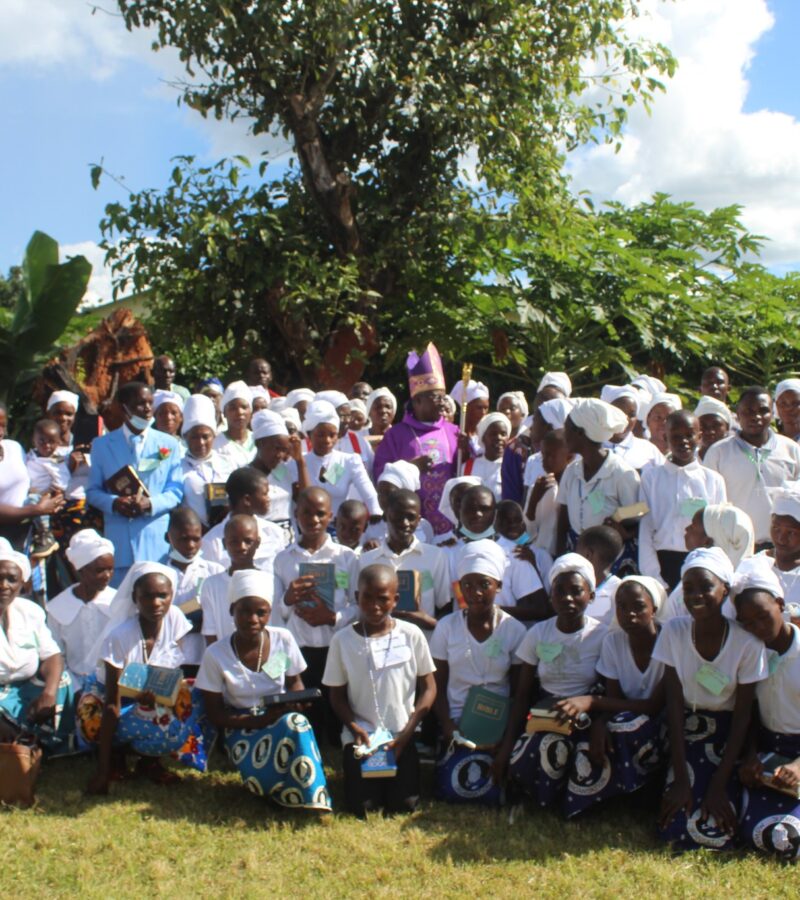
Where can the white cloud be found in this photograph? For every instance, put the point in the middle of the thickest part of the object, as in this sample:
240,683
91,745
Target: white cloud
99,288
699,144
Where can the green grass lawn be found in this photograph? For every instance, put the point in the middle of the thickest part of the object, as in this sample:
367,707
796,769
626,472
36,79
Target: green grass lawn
208,837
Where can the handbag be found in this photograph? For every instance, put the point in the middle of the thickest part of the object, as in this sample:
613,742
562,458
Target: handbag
20,762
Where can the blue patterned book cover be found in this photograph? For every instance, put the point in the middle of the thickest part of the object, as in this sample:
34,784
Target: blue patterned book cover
325,585
380,764
163,683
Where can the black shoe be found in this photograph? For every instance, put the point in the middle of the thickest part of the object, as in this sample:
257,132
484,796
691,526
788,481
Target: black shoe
44,545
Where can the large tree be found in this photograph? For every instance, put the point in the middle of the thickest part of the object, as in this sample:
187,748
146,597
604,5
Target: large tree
412,123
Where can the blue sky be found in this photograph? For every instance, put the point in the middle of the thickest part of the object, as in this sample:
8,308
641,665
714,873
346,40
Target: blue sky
76,88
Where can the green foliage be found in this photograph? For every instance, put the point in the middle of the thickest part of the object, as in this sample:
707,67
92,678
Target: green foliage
11,288
51,292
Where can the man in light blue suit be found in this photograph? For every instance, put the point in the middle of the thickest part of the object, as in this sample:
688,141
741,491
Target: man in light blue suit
137,526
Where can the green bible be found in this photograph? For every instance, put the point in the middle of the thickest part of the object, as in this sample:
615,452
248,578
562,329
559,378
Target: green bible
484,717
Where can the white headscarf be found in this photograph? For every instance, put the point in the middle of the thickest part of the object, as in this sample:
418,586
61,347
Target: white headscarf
786,503
402,474
476,390
612,392
298,395
293,416
494,418
236,390
63,397
320,412
278,404
86,546
19,559
198,410
267,423
713,559
558,380
483,557
710,406
258,390
250,583
757,574
519,399
335,398
599,420
355,403
650,384
731,529
555,412
673,401
445,507
573,562
653,587
788,384
382,392
161,397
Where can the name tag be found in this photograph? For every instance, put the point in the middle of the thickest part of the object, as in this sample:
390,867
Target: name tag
774,662
712,679
427,580
596,500
493,647
391,650
280,472
334,473
548,652
688,508
342,579
276,665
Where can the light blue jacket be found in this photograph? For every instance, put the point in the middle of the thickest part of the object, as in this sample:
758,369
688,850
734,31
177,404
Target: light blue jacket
140,539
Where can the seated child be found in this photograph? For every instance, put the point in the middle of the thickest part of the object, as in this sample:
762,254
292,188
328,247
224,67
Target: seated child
145,628
351,522
712,666
184,534
79,615
272,747
601,545
240,541
560,653
473,648
380,675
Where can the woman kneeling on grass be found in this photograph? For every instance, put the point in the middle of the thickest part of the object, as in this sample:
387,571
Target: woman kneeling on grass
144,628
380,675
273,747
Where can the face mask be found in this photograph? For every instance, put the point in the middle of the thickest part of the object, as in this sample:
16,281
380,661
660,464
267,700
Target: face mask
471,535
523,539
138,422
179,557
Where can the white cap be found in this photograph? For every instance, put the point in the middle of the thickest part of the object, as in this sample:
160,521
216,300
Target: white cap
63,397
199,410
320,412
267,423
86,546
236,390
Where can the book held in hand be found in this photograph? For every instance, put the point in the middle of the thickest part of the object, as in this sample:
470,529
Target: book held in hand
771,762
409,589
542,718
324,583
126,483
484,717
160,681
632,512
380,764
217,503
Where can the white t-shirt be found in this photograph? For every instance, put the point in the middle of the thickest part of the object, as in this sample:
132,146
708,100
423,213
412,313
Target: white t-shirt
197,473
190,584
26,643
77,627
273,540
14,481
380,673
520,578
565,663
543,527
217,618
238,454
779,694
221,671
741,660
636,451
489,472
46,472
591,502
281,479
602,607
617,662
789,579
476,663
124,644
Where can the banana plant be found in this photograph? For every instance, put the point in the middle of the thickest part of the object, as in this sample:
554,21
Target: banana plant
50,294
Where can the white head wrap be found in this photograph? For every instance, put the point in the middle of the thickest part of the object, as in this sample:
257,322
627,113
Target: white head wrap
519,399
653,587
713,559
160,397
335,398
258,390
250,583
19,559
320,412
236,390
673,401
612,392
555,412
382,392
573,562
786,503
599,420
451,404
494,418
355,403
402,474
199,410
650,384
482,557
444,503
558,380
267,423
298,395
476,390
757,574
731,529
86,546
278,404
293,416
788,384
63,397
710,406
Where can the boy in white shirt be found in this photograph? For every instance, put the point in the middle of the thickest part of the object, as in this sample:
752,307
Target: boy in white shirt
601,545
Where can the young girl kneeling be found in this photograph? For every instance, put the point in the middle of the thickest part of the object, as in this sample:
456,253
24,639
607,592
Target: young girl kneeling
380,674
273,748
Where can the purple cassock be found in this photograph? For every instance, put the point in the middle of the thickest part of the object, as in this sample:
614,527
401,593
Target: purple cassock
411,438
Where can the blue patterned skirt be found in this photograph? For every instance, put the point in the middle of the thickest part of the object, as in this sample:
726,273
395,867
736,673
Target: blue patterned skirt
281,761
705,733
56,738
770,820
182,732
465,776
638,755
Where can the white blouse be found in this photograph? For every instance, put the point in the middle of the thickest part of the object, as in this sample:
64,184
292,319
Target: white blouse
125,644
25,641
